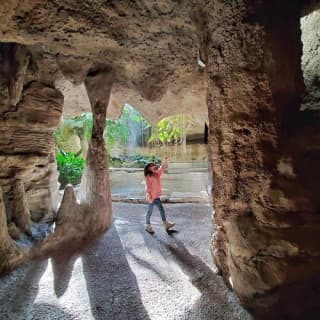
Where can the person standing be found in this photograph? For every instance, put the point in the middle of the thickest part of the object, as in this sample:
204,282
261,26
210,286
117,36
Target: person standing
153,192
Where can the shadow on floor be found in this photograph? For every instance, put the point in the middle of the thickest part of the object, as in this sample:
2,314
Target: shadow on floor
46,311
19,291
112,286
216,301
17,297
145,264
62,267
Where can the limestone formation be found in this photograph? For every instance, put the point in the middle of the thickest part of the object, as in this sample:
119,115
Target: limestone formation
262,208
76,100
4,235
153,59
310,25
95,192
16,61
163,57
27,144
10,253
68,211
20,208
86,217
14,231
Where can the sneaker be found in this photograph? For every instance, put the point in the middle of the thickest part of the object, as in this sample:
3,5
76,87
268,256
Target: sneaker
149,228
168,225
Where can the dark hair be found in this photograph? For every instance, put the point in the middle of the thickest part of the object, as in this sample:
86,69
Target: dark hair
147,171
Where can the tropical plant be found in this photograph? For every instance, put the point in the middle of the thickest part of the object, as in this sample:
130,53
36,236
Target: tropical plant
127,130
115,131
83,125
70,167
71,128
168,130
133,161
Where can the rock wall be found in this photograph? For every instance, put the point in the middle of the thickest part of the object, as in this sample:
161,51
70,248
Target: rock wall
264,150
76,220
44,44
29,112
153,47
310,26
76,100
263,156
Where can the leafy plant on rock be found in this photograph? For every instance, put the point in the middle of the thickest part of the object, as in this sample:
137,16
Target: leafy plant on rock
70,167
168,131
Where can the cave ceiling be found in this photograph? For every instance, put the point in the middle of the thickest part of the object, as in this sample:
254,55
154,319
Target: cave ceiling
153,47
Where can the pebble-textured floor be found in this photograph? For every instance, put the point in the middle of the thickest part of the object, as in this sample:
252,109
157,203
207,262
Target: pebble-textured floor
128,274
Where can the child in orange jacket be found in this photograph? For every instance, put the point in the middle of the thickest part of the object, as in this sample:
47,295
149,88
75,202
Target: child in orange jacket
153,192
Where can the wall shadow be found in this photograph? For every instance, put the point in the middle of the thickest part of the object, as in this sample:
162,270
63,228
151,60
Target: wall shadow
19,289
62,267
112,286
48,311
216,300
146,265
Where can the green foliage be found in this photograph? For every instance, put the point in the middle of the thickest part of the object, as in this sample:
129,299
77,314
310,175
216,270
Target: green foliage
70,167
127,130
168,130
83,125
115,131
134,161
130,129
80,126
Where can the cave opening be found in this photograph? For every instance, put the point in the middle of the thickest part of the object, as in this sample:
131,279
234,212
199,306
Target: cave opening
239,62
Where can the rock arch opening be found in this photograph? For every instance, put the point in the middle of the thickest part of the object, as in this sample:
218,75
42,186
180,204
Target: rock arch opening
263,147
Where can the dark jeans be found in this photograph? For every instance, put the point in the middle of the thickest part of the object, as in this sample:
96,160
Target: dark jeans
156,202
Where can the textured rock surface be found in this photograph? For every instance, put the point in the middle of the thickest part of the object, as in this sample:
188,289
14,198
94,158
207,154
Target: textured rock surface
69,209
11,254
264,150
76,100
27,145
87,217
310,26
264,196
152,46
95,189
20,208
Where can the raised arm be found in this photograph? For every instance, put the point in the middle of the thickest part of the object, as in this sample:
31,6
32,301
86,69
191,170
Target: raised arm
163,166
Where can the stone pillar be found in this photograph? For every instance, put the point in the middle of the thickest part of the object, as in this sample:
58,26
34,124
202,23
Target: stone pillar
266,239
4,234
95,192
69,211
11,254
30,110
20,209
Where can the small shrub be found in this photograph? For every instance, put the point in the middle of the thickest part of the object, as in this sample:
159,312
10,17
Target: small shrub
70,167
134,161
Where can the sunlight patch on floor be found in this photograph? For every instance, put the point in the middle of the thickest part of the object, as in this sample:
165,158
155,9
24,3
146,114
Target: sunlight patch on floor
68,293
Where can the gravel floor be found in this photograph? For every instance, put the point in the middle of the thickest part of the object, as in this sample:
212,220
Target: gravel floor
128,274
